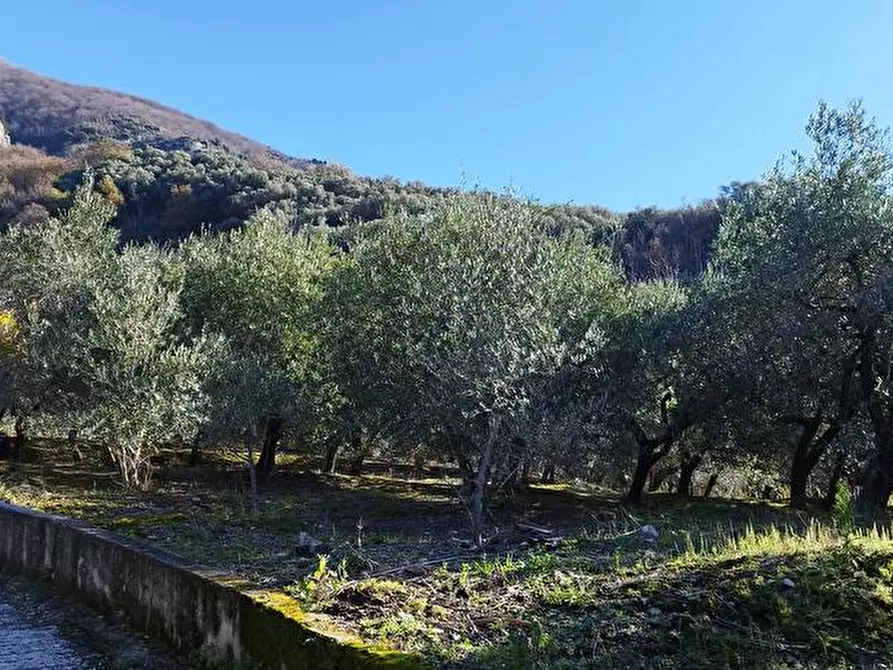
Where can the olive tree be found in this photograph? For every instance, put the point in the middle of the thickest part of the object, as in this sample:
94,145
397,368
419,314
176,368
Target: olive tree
257,287
10,358
808,263
450,329
564,424
145,379
645,412
103,349
49,273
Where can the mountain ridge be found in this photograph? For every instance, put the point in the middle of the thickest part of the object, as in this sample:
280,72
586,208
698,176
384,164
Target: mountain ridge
52,115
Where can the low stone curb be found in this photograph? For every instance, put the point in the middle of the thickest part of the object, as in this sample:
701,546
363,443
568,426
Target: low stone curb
226,619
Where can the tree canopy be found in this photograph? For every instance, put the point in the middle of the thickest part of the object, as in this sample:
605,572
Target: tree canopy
188,295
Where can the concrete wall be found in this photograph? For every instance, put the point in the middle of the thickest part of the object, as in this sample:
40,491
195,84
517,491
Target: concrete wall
194,608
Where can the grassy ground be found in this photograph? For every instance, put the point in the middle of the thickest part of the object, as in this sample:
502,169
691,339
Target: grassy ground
726,584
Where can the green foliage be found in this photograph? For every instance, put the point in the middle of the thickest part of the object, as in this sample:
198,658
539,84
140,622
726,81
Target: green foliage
256,288
497,333
844,507
103,350
144,380
452,327
317,589
801,263
10,334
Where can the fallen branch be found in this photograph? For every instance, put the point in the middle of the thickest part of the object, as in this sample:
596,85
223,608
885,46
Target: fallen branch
533,529
415,566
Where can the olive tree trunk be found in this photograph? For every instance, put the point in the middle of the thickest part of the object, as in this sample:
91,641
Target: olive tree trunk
806,457
481,481
252,475
690,463
331,463
548,475
648,457
711,484
833,481
267,459
878,483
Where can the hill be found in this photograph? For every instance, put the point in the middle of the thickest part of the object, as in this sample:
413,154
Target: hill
171,174
53,116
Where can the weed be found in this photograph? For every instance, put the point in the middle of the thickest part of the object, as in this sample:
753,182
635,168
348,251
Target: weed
844,511
318,588
382,587
464,577
496,567
540,561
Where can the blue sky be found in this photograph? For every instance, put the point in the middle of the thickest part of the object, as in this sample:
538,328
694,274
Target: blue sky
619,103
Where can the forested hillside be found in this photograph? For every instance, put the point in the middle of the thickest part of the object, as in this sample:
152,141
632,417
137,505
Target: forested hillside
170,175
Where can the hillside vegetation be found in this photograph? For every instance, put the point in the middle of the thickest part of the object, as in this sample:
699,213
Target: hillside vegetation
174,174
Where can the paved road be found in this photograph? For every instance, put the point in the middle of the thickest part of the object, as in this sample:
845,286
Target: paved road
40,630
28,642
